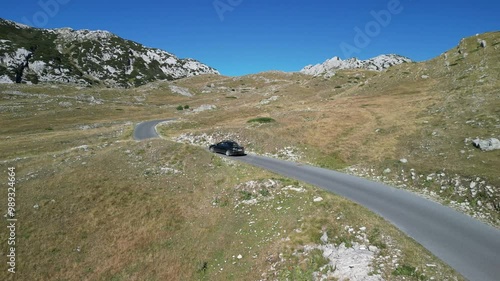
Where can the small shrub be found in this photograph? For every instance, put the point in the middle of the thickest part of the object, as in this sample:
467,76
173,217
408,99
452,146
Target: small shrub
186,107
374,238
407,270
261,120
404,270
180,107
245,195
264,192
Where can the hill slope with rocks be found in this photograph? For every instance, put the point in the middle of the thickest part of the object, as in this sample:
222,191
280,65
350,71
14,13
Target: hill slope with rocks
415,126
64,55
379,63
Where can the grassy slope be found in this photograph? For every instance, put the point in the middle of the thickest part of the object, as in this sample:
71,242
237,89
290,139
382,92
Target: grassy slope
421,111
93,204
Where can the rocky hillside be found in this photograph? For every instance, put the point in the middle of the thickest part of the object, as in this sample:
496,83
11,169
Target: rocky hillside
32,55
378,63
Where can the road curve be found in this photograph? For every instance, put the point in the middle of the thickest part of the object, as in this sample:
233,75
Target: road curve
147,130
471,247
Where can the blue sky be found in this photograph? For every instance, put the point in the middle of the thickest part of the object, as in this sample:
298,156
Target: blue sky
248,36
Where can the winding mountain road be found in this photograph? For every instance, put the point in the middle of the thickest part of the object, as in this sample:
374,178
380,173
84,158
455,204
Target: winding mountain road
147,130
471,247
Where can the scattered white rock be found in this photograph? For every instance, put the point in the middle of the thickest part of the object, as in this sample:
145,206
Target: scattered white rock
318,199
269,100
353,263
287,153
296,189
250,202
204,107
81,147
181,91
487,145
403,160
169,170
482,43
65,104
4,79
324,238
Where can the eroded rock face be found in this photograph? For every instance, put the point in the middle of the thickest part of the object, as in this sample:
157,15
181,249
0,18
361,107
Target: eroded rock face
377,63
487,144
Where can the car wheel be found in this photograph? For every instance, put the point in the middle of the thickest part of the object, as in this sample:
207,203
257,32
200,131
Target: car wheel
212,149
228,152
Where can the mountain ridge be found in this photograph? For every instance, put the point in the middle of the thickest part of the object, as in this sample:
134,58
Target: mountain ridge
377,63
86,57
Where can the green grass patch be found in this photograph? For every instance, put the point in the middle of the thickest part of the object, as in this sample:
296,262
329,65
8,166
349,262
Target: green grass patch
408,271
245,195
331,161
261,120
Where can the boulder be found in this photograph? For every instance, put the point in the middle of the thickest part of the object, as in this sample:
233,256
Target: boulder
482,43
487,145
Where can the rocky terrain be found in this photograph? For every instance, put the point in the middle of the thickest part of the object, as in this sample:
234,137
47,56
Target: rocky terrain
379,63
64,55
430,127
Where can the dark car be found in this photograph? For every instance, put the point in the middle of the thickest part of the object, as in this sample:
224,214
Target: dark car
228,147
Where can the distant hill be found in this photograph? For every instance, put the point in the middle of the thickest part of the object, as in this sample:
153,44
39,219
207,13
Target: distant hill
33,55
378,63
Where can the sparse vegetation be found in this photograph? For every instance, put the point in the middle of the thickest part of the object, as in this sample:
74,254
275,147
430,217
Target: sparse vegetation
261,120
408,271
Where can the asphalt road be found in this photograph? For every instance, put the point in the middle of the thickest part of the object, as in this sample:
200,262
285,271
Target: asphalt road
147,130
466,244
469,246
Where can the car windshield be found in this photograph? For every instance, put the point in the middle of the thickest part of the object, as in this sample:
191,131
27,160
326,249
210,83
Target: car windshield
232,144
